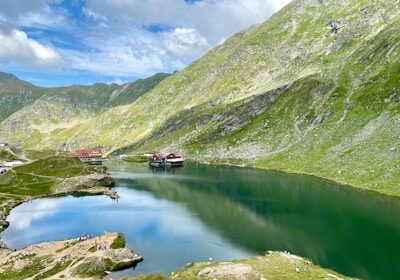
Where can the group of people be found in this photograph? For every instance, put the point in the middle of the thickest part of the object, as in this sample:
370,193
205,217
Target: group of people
84,237
98,246
102,246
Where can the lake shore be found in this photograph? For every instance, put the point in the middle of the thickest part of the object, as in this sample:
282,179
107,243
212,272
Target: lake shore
343,183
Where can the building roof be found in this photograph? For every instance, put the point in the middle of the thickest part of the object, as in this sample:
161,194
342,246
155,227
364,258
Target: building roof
88,153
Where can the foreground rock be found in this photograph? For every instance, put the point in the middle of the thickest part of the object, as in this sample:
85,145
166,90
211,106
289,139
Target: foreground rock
272,266
70,259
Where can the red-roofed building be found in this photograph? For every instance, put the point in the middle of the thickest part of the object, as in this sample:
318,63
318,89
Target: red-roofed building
89,154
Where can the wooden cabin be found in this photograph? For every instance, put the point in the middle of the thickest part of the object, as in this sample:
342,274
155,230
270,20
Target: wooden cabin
166,159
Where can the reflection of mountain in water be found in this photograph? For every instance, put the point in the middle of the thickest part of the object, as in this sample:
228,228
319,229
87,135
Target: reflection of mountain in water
337,227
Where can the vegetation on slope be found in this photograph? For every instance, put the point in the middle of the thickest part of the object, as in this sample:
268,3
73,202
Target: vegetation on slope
35,112
7,155
274,266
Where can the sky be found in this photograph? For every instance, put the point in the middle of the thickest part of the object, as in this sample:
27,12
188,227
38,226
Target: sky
63,42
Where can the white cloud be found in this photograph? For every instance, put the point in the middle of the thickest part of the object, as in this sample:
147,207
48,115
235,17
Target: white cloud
92,15
45,19
115,39
133,53
137,52
16,49
15,8
214,20
125,48
184,42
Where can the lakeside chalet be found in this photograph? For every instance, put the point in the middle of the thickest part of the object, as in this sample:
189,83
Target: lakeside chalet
94,156
161,159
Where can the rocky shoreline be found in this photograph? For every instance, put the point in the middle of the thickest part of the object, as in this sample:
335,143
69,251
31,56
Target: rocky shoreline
88,258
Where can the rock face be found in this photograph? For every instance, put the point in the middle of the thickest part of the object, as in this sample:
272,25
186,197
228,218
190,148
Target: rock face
69,259
96,183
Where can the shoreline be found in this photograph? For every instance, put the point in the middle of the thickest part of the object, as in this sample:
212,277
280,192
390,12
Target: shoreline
342,184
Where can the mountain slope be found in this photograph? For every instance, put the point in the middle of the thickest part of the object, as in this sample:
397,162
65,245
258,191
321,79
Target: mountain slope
314,89
39,111
15,94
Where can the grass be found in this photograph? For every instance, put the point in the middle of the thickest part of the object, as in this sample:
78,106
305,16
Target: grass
28,271
273,266
56,166
119,242
136,158
7,155
38,154
37,178
53,271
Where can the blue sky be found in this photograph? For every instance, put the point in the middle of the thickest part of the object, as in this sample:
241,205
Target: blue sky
59,42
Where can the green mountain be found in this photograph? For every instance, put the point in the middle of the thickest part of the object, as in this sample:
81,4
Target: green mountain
38,112
15,94
314,89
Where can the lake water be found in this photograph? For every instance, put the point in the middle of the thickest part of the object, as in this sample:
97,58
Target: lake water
173,217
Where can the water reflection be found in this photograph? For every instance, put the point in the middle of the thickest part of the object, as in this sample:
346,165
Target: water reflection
347,230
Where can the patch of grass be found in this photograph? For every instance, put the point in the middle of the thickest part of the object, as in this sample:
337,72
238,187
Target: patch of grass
136,158
7,155
69,245
38,154
36,266
119,242
56,166
54,270
274,266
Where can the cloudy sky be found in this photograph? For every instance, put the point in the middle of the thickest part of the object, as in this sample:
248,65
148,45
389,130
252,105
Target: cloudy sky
63,42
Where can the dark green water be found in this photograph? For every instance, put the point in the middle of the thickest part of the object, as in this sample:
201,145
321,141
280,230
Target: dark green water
201,211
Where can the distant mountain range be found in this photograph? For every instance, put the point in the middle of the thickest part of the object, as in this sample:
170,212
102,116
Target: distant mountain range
315,89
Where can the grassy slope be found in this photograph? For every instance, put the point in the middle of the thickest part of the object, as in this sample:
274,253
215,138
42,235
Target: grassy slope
314,90
60,108
273,266
341,123
15,94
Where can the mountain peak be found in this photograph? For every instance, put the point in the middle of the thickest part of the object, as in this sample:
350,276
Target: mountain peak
7,77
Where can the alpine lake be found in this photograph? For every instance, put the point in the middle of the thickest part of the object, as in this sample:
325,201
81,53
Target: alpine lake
197,212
